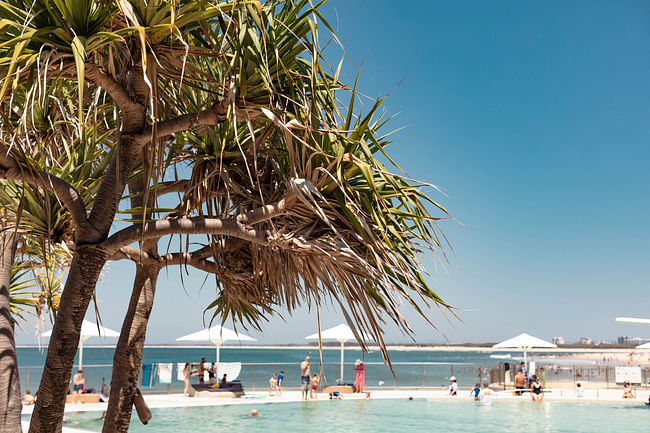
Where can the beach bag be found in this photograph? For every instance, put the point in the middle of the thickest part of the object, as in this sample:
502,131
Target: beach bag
144,413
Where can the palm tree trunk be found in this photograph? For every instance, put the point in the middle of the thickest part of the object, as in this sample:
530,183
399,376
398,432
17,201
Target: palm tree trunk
10,398
128,353
86,266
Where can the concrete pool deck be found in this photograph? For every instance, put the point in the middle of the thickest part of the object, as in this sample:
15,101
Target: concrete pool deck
156,401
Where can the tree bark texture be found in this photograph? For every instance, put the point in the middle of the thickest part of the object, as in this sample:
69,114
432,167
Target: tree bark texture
10,398
128,353
87,264
80,285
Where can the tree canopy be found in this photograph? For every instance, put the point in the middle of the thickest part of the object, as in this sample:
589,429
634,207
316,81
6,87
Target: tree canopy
226,121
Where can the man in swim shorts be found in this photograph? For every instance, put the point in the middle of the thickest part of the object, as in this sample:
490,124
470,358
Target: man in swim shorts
78,382
520,382
305,372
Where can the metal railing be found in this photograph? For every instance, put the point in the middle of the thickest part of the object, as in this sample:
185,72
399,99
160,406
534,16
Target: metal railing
426,375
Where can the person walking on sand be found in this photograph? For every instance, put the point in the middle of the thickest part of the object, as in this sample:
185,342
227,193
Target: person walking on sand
186,378
314,386
305,373
536,389
360,376
453,387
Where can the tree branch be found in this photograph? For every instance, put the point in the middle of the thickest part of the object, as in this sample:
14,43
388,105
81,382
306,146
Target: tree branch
267,212
215,115
95,75
172,186
195,225
10,169
130,253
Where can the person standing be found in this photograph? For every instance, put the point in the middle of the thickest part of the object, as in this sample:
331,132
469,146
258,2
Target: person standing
305,373
485,396
273,383
520,382
280,381
453,386
186,378
542,376
476,391
314,386
360,376
212,371
201,371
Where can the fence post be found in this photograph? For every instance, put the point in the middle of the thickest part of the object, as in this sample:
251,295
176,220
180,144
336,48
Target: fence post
253,379
422,375
27,379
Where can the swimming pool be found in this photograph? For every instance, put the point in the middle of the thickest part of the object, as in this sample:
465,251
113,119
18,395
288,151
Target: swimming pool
386,415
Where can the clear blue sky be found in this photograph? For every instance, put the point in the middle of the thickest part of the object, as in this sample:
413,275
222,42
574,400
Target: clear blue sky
534,117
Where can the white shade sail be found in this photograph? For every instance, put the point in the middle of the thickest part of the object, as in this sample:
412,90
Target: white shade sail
217,335
88,330
523,341
644,346
340,333
633,320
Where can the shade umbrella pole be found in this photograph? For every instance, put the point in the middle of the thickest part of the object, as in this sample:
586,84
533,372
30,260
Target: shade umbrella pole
342,348
217,365
81,353
525,360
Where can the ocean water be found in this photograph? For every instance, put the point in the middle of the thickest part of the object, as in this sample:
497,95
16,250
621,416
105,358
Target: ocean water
375,416
412,368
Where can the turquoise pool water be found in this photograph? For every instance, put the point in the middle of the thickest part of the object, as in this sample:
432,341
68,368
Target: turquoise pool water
374,416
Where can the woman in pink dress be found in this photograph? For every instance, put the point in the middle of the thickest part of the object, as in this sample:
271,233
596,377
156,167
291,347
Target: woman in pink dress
360,372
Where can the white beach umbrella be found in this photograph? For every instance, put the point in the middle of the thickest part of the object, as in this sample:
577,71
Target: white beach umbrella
636,321
217,335
633,320
340,333
88,329
523,342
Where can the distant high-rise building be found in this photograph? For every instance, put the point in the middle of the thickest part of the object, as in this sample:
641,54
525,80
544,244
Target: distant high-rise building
558,340
584,340
632,340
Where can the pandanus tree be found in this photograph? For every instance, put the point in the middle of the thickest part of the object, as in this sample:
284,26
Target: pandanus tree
231,106
36,222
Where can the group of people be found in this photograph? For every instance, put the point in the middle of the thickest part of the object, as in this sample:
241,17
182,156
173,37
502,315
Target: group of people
276,382
308,383
533,385
199,371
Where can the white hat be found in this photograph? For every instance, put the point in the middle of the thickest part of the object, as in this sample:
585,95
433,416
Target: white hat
452,378
357,362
